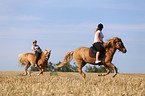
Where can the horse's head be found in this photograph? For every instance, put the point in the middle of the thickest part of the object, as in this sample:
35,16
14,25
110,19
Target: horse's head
47,53
119,45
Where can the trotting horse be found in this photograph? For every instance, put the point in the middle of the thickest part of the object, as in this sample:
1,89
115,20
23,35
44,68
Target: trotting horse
81,56
29,59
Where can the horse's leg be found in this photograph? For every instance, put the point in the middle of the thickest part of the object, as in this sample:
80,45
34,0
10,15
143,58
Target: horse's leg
104,74
115,71
25,69
81,64
43,68
40,69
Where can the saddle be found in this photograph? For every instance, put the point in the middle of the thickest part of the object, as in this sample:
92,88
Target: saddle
93,51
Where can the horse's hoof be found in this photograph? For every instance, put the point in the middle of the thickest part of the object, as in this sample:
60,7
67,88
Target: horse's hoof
114,76
24,74
84,76
37,74
99,74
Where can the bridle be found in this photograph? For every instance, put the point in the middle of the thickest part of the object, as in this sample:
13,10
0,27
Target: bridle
120,46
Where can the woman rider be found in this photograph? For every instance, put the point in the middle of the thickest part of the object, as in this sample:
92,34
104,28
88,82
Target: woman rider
98,41
36,49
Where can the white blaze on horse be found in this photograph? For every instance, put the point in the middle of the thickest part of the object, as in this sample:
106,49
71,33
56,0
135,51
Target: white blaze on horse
82,56
29,59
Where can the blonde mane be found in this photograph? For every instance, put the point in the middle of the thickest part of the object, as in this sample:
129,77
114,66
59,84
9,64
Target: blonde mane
110,41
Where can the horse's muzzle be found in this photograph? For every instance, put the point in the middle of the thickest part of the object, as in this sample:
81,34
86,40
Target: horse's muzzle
124,50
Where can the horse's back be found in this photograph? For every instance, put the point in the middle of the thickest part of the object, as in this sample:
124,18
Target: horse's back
29,56
82,53
20,55
82,50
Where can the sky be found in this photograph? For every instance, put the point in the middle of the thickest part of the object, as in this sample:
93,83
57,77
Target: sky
64,25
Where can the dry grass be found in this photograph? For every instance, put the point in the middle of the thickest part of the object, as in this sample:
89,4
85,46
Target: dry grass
70,84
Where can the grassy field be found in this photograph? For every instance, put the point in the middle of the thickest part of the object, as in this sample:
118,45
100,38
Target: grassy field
13,83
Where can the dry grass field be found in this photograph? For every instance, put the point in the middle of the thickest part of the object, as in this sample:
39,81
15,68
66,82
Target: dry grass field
12,83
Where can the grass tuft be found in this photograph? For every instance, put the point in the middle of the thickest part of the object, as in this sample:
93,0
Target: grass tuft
20,74
53,74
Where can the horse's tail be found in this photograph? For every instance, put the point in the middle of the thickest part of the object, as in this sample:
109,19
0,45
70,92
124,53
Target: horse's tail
67,58
20,58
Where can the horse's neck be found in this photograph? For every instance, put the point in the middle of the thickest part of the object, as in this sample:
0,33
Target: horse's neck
112,51
110,48
43,57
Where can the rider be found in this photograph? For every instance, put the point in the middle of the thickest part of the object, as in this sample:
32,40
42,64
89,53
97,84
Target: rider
98,41
37,50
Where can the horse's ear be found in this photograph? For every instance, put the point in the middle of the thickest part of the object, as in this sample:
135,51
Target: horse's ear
49,51
116,39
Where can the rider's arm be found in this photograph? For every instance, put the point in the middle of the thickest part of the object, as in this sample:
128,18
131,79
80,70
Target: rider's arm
34,50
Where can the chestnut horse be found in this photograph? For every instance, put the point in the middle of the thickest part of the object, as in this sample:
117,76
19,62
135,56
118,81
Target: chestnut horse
29,59
81,56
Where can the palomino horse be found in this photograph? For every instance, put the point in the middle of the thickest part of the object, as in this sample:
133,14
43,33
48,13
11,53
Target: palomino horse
81,56
29,59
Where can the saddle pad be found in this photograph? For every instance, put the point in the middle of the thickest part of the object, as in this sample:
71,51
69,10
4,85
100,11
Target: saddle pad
91,54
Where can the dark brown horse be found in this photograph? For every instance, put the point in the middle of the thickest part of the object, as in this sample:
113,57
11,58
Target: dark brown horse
81,56
29,59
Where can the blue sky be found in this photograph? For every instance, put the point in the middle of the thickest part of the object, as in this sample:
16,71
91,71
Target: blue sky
64,25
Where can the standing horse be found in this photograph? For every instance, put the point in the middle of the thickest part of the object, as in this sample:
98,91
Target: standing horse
81,56
29,59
